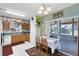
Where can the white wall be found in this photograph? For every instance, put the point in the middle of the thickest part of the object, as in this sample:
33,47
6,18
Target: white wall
0,36
38,32
46,28
33,32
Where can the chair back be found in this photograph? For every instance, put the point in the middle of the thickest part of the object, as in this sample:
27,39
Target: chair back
44,41
37,39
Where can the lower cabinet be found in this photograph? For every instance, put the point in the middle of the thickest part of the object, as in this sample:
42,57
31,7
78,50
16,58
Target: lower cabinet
20,37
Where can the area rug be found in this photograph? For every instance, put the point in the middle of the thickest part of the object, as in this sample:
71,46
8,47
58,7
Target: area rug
36,52
7,50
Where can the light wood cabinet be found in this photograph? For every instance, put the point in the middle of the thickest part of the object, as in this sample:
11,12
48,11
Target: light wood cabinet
6,25
20,38
28,37
25,26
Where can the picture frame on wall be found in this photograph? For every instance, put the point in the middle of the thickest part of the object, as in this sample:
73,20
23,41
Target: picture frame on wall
58,14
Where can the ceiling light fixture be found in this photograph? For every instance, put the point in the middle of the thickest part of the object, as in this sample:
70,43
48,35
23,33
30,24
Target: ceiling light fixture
18,20
45,12
44,9
39,12
48,9
15,12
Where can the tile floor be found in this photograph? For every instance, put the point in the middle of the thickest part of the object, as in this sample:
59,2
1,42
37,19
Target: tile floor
19,50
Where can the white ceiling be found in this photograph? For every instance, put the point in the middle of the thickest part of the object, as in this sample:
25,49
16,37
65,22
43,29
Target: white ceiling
30,9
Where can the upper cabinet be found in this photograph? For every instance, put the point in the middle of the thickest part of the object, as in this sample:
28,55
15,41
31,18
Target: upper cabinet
25,26
6,25
15,25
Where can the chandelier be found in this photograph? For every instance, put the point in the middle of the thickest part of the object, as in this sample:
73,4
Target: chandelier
44,9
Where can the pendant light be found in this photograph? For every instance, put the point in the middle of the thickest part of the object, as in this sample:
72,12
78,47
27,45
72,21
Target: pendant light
44,9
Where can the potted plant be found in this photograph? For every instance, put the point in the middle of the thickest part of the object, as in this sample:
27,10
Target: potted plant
38,21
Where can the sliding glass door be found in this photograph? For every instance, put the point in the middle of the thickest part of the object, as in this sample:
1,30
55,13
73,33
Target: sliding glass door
68,36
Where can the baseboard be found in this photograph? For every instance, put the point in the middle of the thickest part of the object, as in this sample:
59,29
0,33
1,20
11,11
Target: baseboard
65,53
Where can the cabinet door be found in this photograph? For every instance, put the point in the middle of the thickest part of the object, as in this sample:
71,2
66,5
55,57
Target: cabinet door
18,38
14,39
6,25
26,26
28,37
22,37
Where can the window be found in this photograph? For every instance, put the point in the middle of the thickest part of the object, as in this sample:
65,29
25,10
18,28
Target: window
66,29
54,29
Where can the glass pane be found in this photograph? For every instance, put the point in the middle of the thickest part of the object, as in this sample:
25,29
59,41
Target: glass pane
66,29
54,29
68,38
